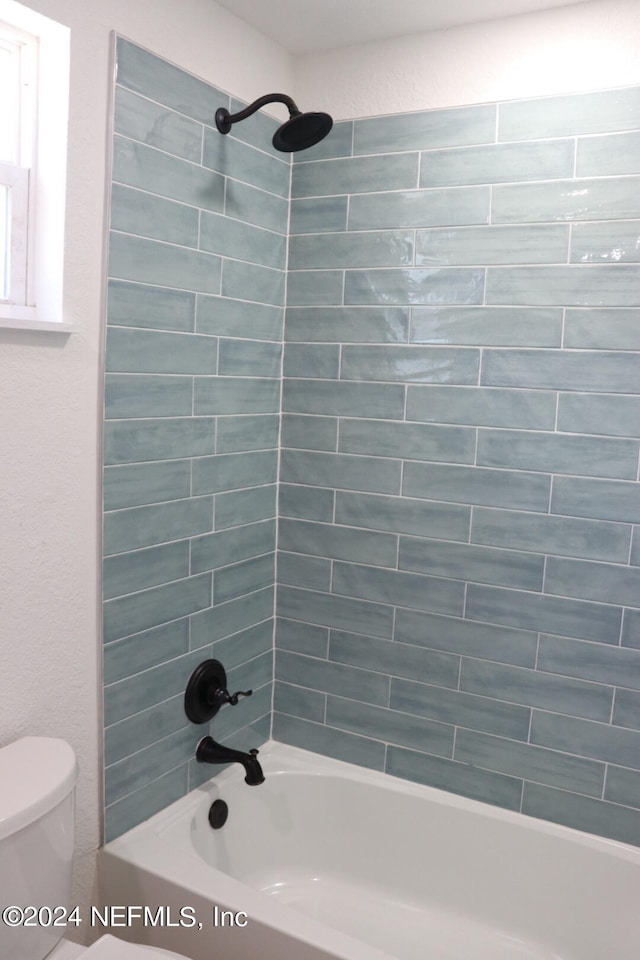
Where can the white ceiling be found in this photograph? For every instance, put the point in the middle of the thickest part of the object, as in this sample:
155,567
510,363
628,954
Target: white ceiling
304,26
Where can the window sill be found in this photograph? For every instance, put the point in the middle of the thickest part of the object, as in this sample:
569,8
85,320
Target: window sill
50,326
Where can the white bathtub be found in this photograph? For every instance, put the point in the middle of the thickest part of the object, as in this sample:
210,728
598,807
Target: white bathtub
327,859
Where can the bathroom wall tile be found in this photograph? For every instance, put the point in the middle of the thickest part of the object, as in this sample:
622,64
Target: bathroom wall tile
534,243
487,326
492,488
402,515
411,441
531,611
130,572
230,726
395,659
239,318
257,130
149,608
249,281
337,543
141,119
318,215
243,241
530,762
299,702
602,329
154,351
302,638
215,550
569,115
447,285
410,363
388,725
149,261
623,786
144,729
344,681
497,163
312,573
555,453
595,199
605,415
565,536
131,655
336,144
231,156
384,248
348,324
635,547
133,809
573,286
548,370
312,360
424,130
507,568
367,400
341,471
319,738
146,215
458,206
631,629
355,175
231,617
343,613
252,205
584,738
242,578
140,305
608,156
245,646
601,499
603,663
398,588
313,287
608,242
589,580
144,526
133,441
128,396
455,777
249,358
139,483
246,432
229,395
307,503
138,770
309,432
484,407
245,506
233,471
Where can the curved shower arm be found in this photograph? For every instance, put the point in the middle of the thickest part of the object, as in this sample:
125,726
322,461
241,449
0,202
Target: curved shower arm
224,119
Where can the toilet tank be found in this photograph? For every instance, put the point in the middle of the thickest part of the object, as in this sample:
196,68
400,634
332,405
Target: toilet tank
37,779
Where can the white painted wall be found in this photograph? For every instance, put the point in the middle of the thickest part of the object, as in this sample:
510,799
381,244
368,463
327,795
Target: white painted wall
50,398
589,46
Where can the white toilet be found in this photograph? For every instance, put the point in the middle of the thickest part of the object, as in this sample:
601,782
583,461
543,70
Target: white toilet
37,781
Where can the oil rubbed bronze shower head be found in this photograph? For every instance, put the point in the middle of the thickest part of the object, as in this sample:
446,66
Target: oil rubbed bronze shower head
300,131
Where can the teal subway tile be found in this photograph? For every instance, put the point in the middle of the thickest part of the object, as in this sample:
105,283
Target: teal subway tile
128,396
477,485
256,206
384,248
250,281
398,588
458,206
312,360
453,635
635,549
306,503
456,246
341,471
558,453
136,771
139,806
249,358
410,363
130,572
343,613
160,80
535,688
236,395
460,778
230,156
529,762
242,241
394,659
409,441
461,709
615,416
487,326
330,398
131,655
244,646
239,318
312,573
314,287
231,617
347,324
257,130
149,608
245,506
241,578
318,215
585,738
343,681
390,726
213,550
141,119
309,432
402,515
541,533
597,499
555,370
607,242
138,527
623,786
133,441
614,155
588,285
299,701
602,329
139,305
143,729
483,407
318,738
602,663
136,165
590,580
569,115
497,163
354,175
336,542
153,685
149,261
336,144
477,564
302,638
426,129
631,629
231,727
246,432
534,611
411,286
155,351
146,215
596,199
233,471
139,483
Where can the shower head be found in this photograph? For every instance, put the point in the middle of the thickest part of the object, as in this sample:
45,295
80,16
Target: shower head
300,131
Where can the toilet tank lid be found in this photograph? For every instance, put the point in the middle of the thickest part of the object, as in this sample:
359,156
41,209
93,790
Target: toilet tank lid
36,773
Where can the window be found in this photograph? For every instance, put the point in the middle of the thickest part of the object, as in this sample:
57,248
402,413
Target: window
34,72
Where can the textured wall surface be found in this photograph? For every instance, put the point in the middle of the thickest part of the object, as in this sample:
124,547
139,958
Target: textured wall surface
192,397
459,571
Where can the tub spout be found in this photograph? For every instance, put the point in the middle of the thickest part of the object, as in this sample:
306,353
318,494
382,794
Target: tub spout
208,751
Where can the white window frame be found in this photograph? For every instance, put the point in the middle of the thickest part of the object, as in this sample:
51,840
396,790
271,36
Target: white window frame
37,179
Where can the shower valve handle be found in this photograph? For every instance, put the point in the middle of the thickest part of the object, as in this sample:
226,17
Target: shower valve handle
225,697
